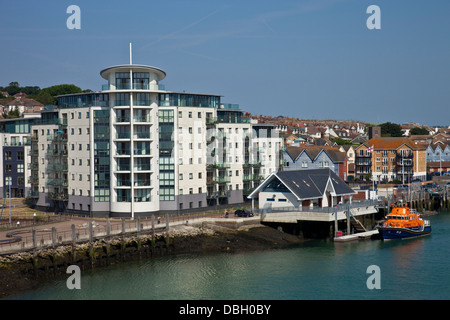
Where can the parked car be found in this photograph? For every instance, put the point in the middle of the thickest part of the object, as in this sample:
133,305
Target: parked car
243,213
432,187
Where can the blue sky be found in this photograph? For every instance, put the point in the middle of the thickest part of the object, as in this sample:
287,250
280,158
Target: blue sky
312,59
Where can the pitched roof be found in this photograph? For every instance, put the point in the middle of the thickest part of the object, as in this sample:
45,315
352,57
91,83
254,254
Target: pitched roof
391,143
24,102
313,151
308,183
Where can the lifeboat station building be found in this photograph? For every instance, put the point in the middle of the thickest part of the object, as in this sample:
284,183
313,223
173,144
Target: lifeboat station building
314,197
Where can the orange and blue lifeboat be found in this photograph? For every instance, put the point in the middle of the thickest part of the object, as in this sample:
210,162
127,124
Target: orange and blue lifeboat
402,223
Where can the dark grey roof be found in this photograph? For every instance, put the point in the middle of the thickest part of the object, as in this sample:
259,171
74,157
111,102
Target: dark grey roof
309,183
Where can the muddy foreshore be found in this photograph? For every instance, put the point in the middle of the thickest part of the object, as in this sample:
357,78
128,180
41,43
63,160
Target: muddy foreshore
27,270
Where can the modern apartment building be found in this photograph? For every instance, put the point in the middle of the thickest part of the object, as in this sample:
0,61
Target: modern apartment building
386,159
135,149
15,156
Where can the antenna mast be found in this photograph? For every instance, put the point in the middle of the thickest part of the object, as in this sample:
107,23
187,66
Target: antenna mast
131,59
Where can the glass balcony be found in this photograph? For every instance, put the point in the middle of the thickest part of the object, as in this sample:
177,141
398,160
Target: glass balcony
123,183
142,167
145,119
142,152
123,167
122,119
142,183
121,103
141,102
142,135
123,135
123,152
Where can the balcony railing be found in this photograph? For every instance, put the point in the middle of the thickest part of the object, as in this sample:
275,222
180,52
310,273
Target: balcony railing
145,119
142,152
142,167
123,152
142,135
123,135
122,119
142,183
408,155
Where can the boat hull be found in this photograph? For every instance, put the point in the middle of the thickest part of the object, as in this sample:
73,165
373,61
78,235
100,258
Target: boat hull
388,233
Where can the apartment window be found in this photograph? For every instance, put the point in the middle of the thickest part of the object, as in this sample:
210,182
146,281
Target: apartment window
20,168
200,176
79,131
7,155
199,115
19,155
190,114
180,176
180,114
191,176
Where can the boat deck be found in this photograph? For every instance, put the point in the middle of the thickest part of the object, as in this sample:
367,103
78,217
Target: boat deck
356,236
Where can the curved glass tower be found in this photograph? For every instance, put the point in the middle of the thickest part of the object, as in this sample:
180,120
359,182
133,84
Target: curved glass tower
133,100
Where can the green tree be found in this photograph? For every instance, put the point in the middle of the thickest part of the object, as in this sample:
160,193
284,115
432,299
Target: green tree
30,90
13,88
13,113
45,98
61,89
418,131
389,129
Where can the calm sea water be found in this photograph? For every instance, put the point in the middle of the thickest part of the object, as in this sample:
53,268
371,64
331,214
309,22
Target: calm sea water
409,269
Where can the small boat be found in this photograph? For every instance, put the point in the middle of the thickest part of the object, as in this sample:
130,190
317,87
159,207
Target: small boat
403,223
